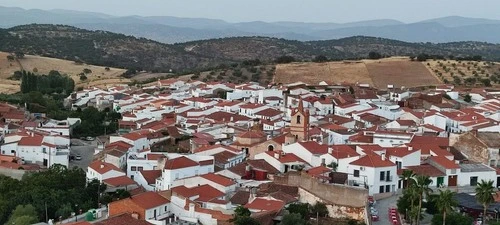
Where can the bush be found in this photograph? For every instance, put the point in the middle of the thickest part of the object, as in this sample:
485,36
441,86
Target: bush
83,77
284,59
374,55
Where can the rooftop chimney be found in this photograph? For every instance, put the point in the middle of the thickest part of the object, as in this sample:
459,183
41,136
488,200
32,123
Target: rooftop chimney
135,215
410,148
383,156
102,166
276,155
330,150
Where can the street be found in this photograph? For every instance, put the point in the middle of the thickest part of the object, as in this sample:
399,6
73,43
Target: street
383,206
84,149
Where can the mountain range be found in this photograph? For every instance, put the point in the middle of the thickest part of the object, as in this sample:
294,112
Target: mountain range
105,48
167,29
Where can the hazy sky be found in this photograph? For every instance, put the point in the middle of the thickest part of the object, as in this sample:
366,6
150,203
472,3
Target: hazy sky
278,10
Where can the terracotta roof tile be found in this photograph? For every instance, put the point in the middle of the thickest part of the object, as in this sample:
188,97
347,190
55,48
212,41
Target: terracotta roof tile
179,163
31,141
150,175
103,167
314,147
372,160
219,179
427,170
119,181
122,219
148,200
265,204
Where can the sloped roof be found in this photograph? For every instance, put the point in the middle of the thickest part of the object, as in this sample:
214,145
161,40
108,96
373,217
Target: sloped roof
180,162
372,160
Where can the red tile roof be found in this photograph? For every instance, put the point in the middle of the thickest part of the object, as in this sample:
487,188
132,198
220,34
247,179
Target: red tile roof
314,147
372,160
343,151
399,151
206,193
31,141
179,163
150,175
253,134
286,158
133,136
219,179
123,219
316,171
444,162
119,181
269,112
103,167
148,200
265,204
426,170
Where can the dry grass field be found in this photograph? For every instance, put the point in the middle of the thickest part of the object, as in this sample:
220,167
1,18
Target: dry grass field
400,73
379,73
447,70
100,76
313,73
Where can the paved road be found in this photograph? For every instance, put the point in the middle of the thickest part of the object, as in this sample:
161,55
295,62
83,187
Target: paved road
85,149
382,207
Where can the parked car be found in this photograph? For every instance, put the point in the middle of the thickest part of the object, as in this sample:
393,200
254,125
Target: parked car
90,138
78,157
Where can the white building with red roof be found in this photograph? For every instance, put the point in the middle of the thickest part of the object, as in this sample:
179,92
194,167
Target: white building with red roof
282,161
375,172
101,171
309,151
178,166
137,140
221,183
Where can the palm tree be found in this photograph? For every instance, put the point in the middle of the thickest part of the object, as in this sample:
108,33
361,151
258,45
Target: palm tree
445,202
484,195
412,194
406,176
422,187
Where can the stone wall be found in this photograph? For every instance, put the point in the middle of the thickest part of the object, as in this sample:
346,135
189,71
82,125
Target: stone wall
336,194
342,201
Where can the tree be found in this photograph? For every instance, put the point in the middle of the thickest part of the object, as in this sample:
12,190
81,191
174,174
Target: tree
241,211
83,77
19,55
299,208
374,55
293,219
319,209
87,71
452,219
445,203
284,59
246,220
407,176
242,217
10,58
333,165
422,57
320,59
23,215
484,195
65,211
421,184
107,69
467,98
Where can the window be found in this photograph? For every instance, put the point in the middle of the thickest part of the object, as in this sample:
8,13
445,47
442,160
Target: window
473,181
387,188
381,189
133,168
140,168
298,119
388,176
382,175
166,208
356,173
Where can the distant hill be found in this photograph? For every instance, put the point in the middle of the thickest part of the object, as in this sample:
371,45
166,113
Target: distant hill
118,50
168,29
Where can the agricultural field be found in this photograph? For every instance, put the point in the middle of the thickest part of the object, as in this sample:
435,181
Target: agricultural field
378,73
331,72
469,73
400,73
95,76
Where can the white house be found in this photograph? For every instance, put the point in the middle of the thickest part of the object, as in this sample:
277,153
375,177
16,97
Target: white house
183,166
102,171
375,172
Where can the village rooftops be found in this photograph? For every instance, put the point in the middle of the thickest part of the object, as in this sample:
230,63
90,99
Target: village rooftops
474,167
